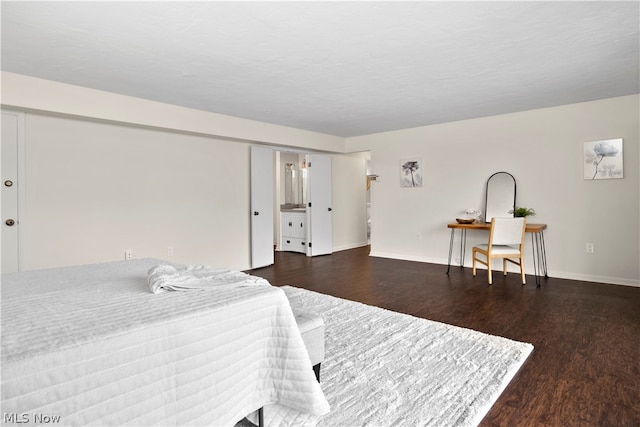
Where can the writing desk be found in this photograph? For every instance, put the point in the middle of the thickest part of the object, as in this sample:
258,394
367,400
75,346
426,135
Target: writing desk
537,242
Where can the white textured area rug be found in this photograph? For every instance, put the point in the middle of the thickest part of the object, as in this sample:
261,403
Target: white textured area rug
384,368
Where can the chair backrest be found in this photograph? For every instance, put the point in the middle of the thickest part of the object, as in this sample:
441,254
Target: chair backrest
507,231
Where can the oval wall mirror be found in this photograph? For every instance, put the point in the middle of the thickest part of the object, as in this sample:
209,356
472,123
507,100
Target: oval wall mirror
500,196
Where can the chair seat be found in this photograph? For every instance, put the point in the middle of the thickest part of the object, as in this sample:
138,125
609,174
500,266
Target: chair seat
500,249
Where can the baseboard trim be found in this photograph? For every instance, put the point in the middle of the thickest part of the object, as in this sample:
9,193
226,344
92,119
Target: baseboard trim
346,247
557,274
598,279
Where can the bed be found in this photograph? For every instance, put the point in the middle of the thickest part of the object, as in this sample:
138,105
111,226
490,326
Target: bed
91,345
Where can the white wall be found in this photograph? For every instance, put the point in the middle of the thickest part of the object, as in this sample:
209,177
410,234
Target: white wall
94,157
543,150
24,92
107,173
95,189
349,197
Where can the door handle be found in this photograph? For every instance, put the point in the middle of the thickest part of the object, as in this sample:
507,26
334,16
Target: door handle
329,209
8,183
256,213
10,222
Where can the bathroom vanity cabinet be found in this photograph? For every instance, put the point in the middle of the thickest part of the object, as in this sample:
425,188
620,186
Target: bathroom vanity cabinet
293,226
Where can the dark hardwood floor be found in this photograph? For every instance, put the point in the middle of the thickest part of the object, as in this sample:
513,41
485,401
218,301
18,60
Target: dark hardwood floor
585,367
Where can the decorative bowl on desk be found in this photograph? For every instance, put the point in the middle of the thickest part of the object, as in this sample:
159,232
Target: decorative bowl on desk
465,220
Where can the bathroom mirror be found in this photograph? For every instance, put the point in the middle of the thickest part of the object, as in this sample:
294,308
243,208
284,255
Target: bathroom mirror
290,184
500,196
294,176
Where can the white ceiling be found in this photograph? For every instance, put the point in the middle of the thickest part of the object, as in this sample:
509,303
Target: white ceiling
340,68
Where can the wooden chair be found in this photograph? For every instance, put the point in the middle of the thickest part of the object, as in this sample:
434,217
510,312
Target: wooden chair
506,241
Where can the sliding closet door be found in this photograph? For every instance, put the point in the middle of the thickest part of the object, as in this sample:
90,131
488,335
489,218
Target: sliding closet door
261,207
319,210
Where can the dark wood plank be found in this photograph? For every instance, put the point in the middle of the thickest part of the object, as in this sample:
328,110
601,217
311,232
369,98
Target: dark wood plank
585,368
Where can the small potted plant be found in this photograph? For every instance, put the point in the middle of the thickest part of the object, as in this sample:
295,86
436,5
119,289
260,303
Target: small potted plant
520,212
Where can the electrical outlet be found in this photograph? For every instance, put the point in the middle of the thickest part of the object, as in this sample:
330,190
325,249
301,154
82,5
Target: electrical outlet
590,248
128,254
170,251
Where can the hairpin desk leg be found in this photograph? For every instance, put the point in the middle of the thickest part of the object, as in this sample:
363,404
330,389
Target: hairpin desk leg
453,231
463,246
536,257
261,417
544,255
539,256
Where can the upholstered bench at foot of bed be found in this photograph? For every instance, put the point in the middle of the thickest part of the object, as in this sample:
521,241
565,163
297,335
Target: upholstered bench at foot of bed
312,331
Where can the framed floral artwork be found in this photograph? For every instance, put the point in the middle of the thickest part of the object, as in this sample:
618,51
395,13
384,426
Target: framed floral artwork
603,159
411,173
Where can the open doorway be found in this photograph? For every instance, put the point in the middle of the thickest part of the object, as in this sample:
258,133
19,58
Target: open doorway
303,209
348,203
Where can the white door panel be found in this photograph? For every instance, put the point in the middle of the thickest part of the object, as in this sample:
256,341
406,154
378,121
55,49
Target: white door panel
319,206
262,176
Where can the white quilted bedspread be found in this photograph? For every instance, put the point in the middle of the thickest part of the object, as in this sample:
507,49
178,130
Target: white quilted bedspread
93,346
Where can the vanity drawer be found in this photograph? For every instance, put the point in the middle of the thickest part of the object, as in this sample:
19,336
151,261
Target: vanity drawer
294,244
